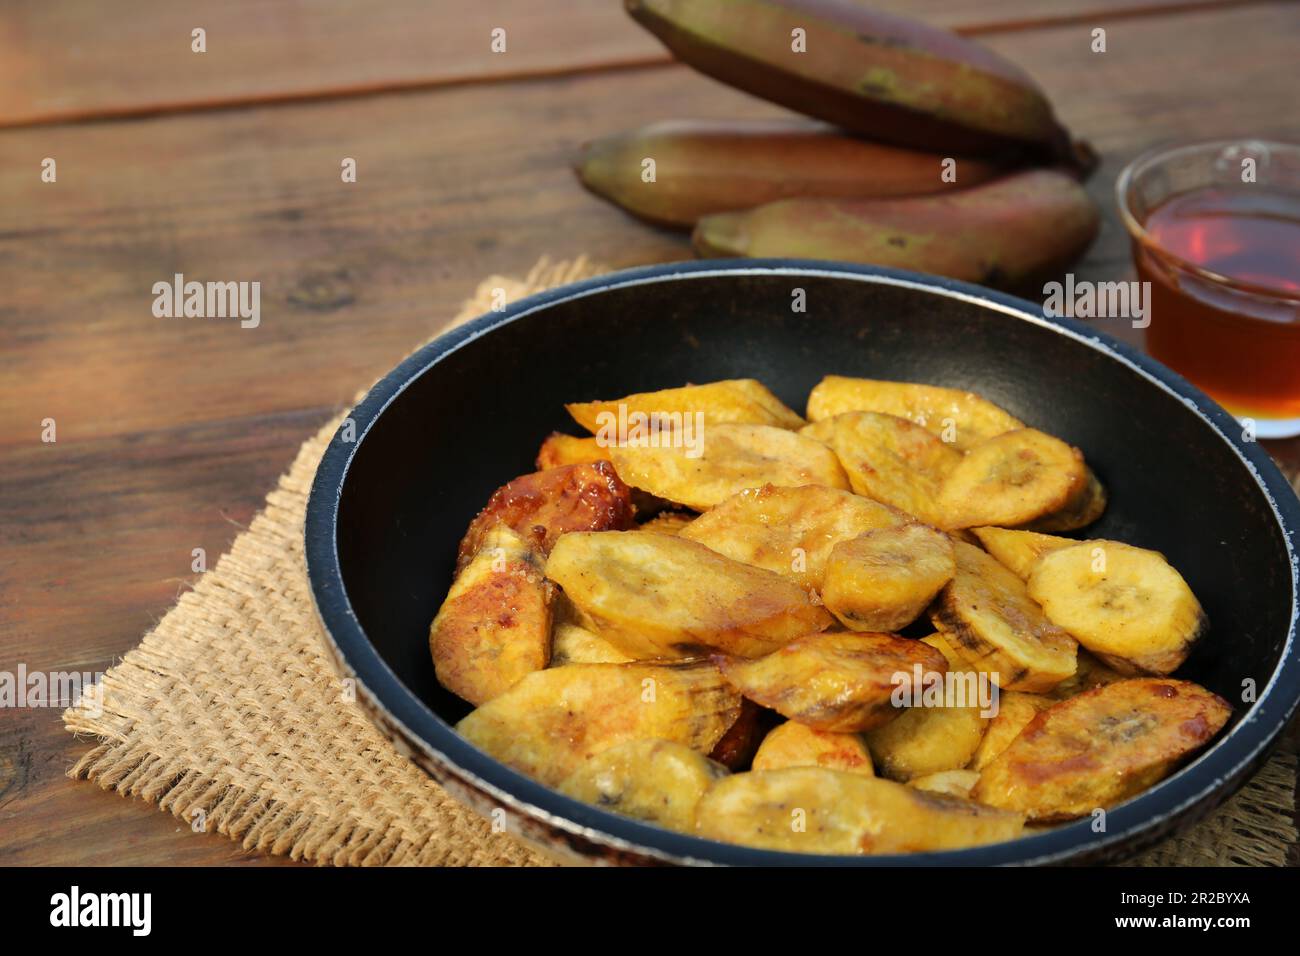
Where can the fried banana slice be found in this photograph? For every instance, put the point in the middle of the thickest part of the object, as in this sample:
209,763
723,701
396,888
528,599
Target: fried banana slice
894,461
1127,605
658,781
669,522
1101,747
1089,673
727,459
560,449
841,682
1015,711
495,625
988,617
881,580
963,419
815,810
925,740
546,504
1018,550
955,783
552,720
1011,480
822,431
1082,510
660,595
574,644
733,401
797,745
739,744
789,530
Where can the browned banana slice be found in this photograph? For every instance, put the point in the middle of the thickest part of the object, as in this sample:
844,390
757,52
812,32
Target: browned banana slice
1018,550
815,810
495,625
660,595
894,461
734,401
840,682
658,781
546,504
881,580
669,522
1015,710
739,744
928,739
727,459
574,644
1089,673
962,419
1127,605
1085,508
989,619
1101,747
955,783
552,720
797,745
559,450
1011,480
789,530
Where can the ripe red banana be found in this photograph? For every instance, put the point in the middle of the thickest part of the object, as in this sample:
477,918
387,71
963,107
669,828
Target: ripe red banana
675,172
1003,233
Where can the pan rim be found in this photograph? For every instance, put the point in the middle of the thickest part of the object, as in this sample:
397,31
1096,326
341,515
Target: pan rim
1222,767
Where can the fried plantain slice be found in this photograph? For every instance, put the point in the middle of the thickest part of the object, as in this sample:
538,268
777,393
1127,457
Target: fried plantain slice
1011,480
1015,710
1127,605
894,461
668,522
574,644
927,739
732,401
815,810
955,783
658,781
1082,510
988,618
822,431
841,682
789,530
1018,550
1089,673
559,449
495,625
546,504
727,459
963,419
552,720
881,580
659,595
1101,747
793,744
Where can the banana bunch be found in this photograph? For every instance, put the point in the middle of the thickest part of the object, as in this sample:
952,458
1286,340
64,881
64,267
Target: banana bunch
924,151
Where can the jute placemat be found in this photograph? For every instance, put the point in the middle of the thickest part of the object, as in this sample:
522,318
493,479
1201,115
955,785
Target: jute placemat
229,715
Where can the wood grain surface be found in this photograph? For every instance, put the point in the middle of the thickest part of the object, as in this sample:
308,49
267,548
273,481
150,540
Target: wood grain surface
170,432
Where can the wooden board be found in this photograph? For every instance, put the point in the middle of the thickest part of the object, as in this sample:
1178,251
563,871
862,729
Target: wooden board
74,59
171,431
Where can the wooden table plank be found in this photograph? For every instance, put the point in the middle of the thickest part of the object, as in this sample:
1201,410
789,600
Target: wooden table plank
171,431
71,60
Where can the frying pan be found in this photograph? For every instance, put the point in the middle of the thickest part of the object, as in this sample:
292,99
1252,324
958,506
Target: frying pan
433,439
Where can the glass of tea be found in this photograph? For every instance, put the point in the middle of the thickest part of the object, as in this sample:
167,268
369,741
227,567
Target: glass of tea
1216,233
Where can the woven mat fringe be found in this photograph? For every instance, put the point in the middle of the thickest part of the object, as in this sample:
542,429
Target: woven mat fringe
229,715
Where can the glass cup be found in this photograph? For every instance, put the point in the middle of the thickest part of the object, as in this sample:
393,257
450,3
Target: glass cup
1215,228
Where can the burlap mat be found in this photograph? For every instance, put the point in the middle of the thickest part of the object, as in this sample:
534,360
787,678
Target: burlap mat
229,716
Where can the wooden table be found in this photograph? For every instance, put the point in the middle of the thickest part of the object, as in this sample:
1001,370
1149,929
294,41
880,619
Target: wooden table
226,164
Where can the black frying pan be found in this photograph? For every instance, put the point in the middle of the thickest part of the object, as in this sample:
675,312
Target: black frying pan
466,413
